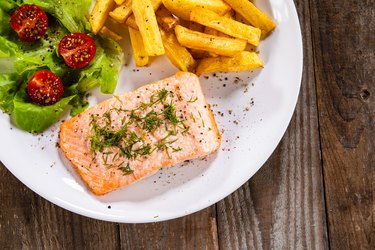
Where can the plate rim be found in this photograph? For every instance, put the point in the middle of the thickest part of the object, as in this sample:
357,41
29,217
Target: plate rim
118,219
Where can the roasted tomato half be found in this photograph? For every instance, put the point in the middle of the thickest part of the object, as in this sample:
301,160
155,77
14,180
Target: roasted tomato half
45,88
77,49
30,22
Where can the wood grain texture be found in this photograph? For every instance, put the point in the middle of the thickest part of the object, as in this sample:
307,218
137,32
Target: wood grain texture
282,206
196,231
27,221
344,39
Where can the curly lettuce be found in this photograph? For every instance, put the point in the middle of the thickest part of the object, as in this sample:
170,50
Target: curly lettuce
19,61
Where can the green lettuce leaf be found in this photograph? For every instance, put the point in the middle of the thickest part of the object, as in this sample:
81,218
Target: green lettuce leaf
5,18
8,52
9,5
7,48
111,65
34,118
104,69
70,13
79,104
8,88
19,61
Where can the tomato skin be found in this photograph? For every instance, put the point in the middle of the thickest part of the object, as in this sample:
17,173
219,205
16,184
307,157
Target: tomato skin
77,49
30,22
45,88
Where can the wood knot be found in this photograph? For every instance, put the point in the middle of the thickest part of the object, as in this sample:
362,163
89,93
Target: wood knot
365,94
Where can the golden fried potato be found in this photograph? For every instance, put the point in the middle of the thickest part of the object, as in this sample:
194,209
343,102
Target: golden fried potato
119,2
183,8
146,21
177,54
253,15
122,12
105,32
199,54
226,25
194,26
211,31
139,52
243,61
215,44
99,14
165,19
131,20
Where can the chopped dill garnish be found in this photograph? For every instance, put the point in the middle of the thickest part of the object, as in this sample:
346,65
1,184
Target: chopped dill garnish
151,121
162,94
107,115
126,170
176,149
131,144
105,158
191,100
143,151
117,98
170,114
134,118
192,117
200,115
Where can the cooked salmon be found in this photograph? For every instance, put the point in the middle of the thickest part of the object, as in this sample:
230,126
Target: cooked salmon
133,135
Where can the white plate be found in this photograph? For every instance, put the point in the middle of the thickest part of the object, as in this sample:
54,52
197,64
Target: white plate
256,108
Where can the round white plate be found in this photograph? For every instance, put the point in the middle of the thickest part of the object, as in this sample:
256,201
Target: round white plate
253,110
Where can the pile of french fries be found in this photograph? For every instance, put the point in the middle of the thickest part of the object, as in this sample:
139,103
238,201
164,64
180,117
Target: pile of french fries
200,36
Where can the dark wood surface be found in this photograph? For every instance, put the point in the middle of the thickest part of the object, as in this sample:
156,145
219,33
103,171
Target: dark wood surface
317,190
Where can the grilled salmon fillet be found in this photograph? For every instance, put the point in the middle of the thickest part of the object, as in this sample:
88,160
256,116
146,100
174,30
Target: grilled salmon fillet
133,135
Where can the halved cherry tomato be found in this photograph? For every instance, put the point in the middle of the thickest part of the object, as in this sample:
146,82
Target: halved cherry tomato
30,22
77,49
45,88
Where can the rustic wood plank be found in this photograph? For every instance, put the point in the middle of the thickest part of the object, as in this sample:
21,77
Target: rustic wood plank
27,221
344,38
282,206
196,231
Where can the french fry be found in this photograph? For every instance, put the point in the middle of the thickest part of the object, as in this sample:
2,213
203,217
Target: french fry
186,30
148,26
211,31
196,53
253,15
119,2
131,20
177,54
195,26
239,18
183,8
99,14
165,19
199,54
230,14
243,61
105,32
215,44
139,52
122,12
226,25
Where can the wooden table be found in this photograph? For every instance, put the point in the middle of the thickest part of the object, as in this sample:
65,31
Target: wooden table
316,191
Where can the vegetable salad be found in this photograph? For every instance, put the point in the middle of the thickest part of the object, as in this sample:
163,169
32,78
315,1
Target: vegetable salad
19,61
